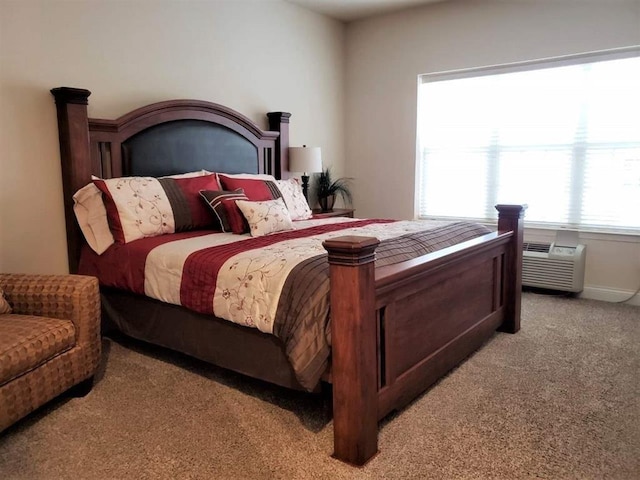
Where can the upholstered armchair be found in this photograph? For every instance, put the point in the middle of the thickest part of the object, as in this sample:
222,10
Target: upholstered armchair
49,340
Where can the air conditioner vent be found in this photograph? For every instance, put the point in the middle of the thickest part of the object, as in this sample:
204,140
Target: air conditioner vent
536,247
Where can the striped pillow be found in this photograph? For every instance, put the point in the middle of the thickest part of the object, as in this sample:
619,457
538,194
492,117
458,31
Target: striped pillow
139,207
225,211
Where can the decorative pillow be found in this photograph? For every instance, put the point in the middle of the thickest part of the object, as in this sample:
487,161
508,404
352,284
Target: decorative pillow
4,305
266,217
226,213
139,207
294,199
92,218
255,189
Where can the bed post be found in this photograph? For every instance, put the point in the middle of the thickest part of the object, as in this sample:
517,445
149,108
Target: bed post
511,218
353,348
279,122
75,158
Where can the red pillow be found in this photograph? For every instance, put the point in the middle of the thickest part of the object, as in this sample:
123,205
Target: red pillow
256,190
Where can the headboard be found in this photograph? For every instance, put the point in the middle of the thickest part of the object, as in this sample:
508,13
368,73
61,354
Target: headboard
163,138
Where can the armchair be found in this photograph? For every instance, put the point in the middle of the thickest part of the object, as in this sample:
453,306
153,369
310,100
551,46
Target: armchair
49,343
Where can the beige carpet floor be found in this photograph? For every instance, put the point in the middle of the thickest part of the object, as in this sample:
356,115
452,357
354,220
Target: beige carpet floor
559,400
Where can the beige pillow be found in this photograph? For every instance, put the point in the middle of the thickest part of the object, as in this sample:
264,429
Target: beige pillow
265,217
92,218
250,176
4,305
294,198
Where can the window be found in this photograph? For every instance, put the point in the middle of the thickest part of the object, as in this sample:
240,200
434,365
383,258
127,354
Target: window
563,137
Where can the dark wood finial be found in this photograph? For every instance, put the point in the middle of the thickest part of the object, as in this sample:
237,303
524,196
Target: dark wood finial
351,250
78,96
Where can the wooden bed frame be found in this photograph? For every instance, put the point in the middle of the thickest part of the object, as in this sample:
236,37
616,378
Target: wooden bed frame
395,330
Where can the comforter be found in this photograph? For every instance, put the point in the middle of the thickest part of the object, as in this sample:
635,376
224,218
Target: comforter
277,283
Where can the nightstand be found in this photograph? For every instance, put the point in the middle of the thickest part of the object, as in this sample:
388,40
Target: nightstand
336,212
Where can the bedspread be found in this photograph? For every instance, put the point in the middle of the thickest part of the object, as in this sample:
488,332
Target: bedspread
277,283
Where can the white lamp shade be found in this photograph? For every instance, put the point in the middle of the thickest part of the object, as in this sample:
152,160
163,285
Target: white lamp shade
305,159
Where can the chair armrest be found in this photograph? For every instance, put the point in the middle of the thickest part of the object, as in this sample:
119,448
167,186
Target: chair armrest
70,297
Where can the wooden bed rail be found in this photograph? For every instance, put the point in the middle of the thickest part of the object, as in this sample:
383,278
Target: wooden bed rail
396,331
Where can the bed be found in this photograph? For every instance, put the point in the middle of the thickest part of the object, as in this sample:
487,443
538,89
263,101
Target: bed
395,329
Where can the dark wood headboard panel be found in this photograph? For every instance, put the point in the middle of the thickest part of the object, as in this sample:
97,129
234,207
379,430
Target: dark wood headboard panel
160,139
189,145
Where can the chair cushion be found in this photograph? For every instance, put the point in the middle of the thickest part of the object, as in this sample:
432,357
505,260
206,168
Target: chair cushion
27,341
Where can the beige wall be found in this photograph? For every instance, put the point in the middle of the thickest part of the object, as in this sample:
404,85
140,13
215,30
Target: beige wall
262,55
386,54
253,56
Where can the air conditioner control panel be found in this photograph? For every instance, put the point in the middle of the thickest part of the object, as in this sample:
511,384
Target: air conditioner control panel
563,250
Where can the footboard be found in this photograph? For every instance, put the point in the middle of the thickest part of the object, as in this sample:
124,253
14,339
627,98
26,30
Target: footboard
397,330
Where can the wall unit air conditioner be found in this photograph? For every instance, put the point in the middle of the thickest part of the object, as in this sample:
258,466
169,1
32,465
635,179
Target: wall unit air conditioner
554,266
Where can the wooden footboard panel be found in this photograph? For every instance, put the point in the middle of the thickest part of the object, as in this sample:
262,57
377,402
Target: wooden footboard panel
429,327
397,330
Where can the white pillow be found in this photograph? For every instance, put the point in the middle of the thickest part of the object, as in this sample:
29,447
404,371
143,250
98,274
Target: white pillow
256,176
265,217
294,199
197,173
92,218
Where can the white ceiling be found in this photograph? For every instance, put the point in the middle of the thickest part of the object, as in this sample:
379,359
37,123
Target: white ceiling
348,10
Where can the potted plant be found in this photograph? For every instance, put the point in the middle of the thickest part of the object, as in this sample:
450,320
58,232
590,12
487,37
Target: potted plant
327,189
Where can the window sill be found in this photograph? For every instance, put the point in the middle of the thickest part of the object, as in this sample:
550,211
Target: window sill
549,231
607,236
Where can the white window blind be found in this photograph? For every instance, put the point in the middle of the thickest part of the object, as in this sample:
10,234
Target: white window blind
563,139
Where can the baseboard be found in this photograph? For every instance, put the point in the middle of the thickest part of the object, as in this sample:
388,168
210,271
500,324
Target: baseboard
609,295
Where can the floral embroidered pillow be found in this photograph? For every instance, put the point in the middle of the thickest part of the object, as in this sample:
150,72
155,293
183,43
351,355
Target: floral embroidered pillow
4,305
91,213
265,217
294,199
139,207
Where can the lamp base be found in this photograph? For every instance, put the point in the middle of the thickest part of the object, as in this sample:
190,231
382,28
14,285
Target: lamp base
305,186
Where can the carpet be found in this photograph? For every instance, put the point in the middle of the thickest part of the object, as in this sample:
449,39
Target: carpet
558,400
